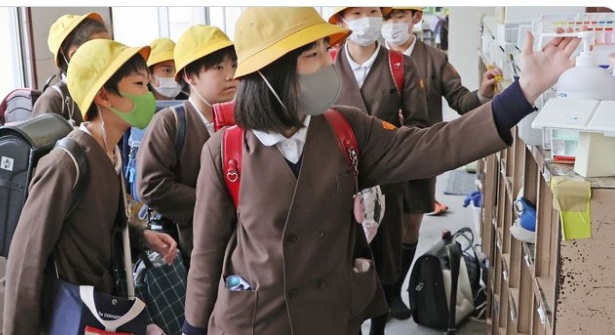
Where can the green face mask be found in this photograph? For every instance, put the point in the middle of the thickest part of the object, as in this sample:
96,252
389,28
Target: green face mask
143,111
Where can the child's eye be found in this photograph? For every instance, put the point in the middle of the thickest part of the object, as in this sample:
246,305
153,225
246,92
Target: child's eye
219,67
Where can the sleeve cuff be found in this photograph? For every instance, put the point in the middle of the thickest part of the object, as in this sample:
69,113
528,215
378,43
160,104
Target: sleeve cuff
189,329
482,99
509,107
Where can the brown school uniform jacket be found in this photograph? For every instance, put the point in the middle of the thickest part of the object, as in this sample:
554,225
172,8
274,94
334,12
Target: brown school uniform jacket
164,185
379,97
442,80
52,102
294,239
82,244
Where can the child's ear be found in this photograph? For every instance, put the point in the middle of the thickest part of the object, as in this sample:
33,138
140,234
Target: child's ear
418,16
102,98
189,79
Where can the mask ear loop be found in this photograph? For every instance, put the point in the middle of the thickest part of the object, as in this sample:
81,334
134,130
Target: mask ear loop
200,96
272,90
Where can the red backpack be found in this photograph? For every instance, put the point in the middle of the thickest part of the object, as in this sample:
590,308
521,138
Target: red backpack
232,151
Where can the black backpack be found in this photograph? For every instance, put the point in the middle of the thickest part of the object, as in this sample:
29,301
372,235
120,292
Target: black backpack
436,277
17,106
21,147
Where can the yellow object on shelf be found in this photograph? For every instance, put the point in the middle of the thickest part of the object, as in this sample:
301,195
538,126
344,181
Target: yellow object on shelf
571,197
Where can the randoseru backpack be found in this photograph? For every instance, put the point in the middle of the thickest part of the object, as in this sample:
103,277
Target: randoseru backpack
21,147
18,104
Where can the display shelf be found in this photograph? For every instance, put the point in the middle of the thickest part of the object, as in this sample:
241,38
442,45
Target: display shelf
550,286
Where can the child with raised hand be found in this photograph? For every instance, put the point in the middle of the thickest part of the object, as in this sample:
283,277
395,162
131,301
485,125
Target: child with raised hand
293,239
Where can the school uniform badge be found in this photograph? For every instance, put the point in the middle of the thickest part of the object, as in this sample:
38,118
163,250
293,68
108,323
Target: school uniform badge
388,126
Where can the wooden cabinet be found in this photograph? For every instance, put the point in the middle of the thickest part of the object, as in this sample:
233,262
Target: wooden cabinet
550,286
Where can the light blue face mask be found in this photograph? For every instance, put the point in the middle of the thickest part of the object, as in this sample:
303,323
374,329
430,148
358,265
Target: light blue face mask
318,90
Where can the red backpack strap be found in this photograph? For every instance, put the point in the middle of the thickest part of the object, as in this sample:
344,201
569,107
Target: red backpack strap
232,152
396,65
346,141
223,114
333,53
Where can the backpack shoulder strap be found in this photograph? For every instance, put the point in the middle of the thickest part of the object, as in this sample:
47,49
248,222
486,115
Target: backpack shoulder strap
180,136
333,52
223,114
453,251
76,153
232,153
346,140
396,65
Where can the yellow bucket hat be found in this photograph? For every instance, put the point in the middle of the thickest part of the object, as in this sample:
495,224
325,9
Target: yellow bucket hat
62,28
420,9
162,51
92,66
197,42
264,34
333,19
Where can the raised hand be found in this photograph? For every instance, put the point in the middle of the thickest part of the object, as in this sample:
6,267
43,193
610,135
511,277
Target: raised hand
540,70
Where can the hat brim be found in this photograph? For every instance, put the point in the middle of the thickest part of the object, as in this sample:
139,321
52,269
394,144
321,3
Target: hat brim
119,61
159,58
268,55
209,49
333,18
69,29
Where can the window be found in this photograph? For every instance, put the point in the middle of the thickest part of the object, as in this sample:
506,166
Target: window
10,59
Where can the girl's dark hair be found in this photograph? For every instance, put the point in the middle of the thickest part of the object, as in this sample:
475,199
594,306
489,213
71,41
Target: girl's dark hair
135,64
388,16
255,105
207,62
81,34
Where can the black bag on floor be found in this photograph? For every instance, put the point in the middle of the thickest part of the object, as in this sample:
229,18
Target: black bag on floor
442,270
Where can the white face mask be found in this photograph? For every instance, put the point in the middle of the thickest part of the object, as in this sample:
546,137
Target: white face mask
365,31
395,33
168,87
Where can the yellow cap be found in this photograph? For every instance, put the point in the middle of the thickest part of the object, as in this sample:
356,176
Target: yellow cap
162,51
197,42
337,11
62,28
92,66
420,9
264,34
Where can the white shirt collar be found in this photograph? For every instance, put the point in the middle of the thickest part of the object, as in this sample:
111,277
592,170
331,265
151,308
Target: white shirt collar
406,52
368,63
291,148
